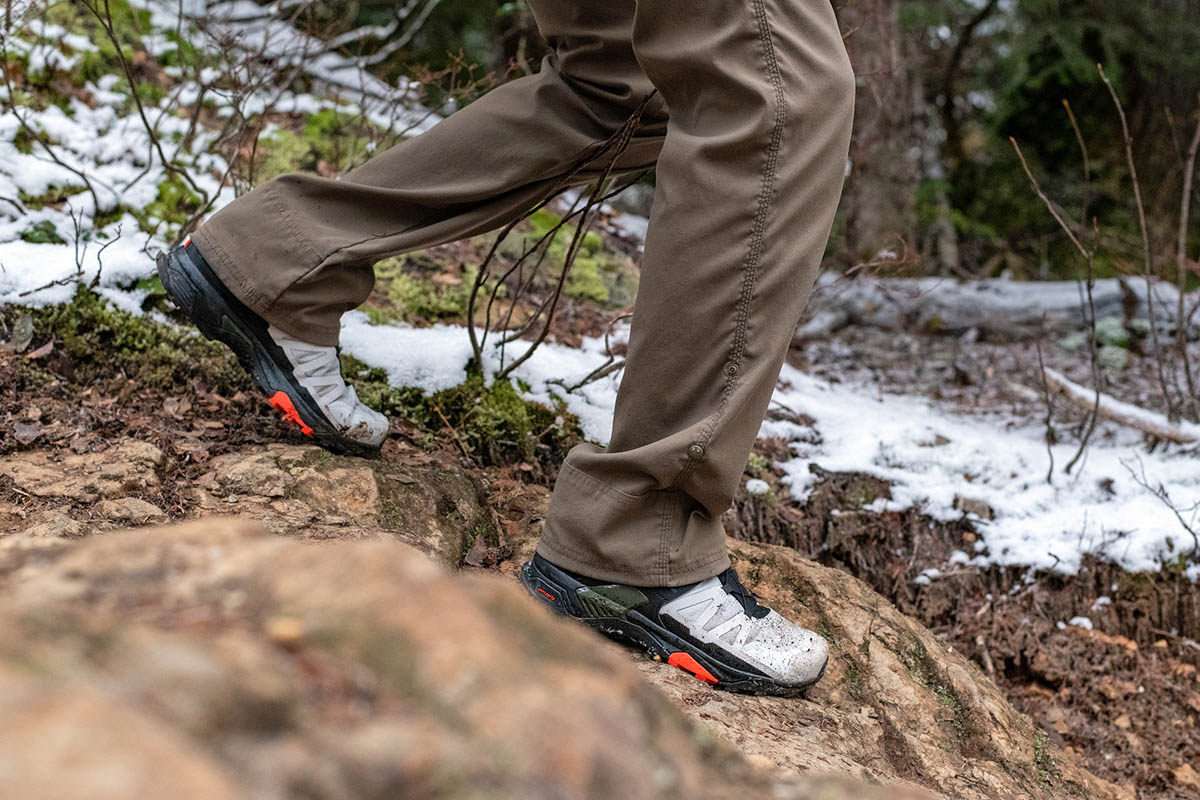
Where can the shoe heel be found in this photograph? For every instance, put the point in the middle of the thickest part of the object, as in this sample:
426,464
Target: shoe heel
183,285
547,591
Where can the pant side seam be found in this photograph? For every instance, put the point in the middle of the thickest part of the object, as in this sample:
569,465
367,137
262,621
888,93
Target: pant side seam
757,237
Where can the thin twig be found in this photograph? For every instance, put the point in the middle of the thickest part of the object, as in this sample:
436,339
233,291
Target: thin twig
1147,256
1181,324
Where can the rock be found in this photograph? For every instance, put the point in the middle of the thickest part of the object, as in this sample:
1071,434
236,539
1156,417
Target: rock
129,467
59,742
54,524
415,682
342,490
360,669
308,493
969,505
895,705
255,473
129,510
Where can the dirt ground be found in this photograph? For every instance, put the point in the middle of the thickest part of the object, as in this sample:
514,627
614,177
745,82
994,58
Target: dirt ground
1125,695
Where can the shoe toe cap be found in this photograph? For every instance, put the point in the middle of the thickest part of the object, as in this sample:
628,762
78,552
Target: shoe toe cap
796,656
367,426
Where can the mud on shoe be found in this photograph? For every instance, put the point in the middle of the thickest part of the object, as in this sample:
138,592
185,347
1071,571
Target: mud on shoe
714,629
302,381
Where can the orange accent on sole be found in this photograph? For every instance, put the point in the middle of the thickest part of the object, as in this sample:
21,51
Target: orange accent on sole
284,405
688,664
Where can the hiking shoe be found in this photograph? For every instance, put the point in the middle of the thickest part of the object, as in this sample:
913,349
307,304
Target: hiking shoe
302,381
714,629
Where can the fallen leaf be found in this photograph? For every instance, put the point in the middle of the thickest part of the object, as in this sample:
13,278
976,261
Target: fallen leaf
176,406
26,434
22,333
42,351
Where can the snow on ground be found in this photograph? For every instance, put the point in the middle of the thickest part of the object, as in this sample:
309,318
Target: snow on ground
115,151
929,456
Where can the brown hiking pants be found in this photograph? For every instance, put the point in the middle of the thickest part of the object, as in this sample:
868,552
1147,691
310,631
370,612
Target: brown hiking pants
750,162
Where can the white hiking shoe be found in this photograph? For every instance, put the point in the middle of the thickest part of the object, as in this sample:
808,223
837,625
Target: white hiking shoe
714,629
319,370
302,381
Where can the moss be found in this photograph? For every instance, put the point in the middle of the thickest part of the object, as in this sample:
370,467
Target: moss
948,699
854,679
1042,761
597,274
51,197
129,24
23,141
285,152
414,299
825,628
100,340
585,281
174,203
756,465
337,138
492,421
43,232
862,493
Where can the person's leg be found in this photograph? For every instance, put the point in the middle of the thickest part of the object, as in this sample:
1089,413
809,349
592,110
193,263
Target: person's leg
760,94
299,251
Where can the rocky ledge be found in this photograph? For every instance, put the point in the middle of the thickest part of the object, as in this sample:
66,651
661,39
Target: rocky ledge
309,636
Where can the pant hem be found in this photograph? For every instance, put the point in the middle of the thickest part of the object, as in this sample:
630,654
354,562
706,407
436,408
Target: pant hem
691,572
210,247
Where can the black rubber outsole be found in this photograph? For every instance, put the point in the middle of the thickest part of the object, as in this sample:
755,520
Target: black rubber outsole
221,317
640,631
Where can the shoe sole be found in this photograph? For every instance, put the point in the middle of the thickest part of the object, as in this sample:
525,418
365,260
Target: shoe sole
221,317
558,590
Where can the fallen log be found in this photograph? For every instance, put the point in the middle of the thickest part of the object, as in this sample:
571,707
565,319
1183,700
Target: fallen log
996,309
1131,416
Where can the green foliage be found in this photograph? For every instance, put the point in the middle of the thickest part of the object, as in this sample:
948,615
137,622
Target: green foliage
285,152
102,340
174,203
339,140
597,273
52,196
1011,81
492,421
43,232
756,465
1042,761
414,298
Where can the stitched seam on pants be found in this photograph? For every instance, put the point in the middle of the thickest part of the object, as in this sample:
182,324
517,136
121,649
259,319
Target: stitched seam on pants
757,234
665,526
618,496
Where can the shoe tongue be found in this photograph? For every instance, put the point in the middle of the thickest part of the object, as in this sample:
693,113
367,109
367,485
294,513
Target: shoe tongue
733,585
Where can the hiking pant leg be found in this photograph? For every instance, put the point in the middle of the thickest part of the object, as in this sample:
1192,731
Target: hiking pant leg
300,250
760,94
